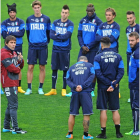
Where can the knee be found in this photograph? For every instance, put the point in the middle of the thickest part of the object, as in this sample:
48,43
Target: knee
30,68
42,68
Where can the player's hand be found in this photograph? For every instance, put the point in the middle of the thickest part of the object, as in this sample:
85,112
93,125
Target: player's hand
110,89
78,88
20,57
85,50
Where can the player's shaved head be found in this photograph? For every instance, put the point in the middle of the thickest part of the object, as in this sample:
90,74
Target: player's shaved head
83,58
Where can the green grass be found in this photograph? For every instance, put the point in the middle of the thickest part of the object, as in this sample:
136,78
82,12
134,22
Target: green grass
45,118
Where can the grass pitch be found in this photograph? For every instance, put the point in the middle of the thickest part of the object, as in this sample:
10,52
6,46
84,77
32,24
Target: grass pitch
45,118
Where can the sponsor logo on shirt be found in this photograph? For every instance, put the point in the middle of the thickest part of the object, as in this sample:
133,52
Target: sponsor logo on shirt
36,20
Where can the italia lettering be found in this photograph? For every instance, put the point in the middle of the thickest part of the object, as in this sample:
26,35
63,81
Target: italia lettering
13,29
88,28
107,32
37,26
60,30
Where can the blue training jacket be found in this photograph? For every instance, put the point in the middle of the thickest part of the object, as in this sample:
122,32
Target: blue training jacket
15,28
134,66
61,33
130,29
108,67
109,30
38,31
87,29
81,73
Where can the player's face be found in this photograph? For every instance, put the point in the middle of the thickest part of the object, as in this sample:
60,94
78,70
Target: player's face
133,41
12,14
11,44
64,14
37,9
109,16
131,19
90,11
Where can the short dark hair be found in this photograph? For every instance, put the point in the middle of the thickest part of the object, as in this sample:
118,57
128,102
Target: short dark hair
111,10
83,58
134,34
65,7
9,38
105,41
130,12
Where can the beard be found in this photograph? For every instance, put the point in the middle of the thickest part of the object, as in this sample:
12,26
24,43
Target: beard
12,17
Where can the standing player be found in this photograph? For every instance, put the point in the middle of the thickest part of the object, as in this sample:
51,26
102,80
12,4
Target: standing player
38,34
79,79
10,68
134,66
109,70
86,36
110,29
133,27
16,27
61,33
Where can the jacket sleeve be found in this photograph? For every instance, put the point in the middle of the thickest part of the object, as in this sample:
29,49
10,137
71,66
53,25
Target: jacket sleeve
120,73
21,63
114,35
69,81
67,35
100,75
20,33
4,30
80,38
48,30
7,62
90,79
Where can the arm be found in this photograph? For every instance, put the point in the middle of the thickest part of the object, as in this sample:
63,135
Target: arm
99,74
27,30
48,30
4,31
69,81
67,35
90,79
98,35
7,62
20,33
114,35
80,39
120,74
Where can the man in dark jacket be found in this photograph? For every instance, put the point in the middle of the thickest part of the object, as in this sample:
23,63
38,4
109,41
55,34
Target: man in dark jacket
79,79
109,70
134,65
11,65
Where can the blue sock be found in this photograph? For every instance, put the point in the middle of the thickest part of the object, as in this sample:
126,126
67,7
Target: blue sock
29,85
64,79
136,119
40,85
54,79
93,86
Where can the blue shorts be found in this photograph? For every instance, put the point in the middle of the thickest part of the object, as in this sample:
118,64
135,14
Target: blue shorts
81,99
34,55
90,55
134,96
60,61
108,100
128,59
